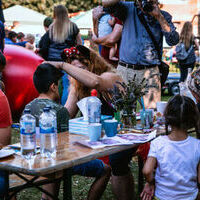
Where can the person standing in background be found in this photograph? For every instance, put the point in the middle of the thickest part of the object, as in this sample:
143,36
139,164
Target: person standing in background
189,45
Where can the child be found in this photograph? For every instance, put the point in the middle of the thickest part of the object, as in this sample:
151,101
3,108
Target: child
176,156
106,23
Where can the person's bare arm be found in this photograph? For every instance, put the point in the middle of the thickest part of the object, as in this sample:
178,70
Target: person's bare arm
158,15
89,79
5,135
148,191
110,39
71,102
78,39
107,3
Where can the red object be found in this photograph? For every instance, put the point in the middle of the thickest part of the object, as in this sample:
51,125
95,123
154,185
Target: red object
105,159
18,77
94,93
143,150
5,113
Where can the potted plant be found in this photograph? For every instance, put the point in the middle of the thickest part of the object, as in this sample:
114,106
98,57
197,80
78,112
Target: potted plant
124,99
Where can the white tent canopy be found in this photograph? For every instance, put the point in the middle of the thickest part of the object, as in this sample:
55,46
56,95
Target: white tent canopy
83,21
29,20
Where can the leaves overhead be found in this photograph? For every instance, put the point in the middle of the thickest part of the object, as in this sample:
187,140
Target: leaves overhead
46,6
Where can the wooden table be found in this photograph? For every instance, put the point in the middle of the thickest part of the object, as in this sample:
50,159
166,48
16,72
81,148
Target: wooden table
68,155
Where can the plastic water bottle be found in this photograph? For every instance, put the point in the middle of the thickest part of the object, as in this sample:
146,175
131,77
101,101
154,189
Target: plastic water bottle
28,135
47,133
94,108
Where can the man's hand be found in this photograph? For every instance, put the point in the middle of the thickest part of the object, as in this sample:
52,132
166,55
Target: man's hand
156,11
97,12
148,192
94,37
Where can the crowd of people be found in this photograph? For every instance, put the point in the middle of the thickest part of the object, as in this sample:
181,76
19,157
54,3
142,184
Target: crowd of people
172,168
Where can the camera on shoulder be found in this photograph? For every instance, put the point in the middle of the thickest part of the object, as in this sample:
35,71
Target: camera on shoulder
147,5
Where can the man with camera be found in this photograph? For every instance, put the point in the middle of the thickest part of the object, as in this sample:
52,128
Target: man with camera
138,54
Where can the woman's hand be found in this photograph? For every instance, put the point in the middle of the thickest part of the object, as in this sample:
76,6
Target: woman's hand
56,64
148,192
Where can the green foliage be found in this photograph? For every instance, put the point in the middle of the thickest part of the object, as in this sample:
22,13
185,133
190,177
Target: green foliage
46,6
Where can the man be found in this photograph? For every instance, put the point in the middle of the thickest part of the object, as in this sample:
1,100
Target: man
46,79
138,54
12,38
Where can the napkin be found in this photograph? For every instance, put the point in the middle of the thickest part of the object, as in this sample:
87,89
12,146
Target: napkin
82,105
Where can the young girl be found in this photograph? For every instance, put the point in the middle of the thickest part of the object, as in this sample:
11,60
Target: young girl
175,156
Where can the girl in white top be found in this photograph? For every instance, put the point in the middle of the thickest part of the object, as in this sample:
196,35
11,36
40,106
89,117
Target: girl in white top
175,156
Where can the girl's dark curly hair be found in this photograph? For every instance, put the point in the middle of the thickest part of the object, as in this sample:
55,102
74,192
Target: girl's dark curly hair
181,112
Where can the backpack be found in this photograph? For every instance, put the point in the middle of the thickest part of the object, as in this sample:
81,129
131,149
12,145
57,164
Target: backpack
181,53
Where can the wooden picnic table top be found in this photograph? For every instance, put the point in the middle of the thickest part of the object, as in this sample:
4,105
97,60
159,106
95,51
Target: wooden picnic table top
68,155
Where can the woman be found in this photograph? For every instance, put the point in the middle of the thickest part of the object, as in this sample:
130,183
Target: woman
62,34
189,45
89,71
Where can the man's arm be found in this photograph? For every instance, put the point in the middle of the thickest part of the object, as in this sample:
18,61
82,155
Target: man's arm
110,39
107,3
168,28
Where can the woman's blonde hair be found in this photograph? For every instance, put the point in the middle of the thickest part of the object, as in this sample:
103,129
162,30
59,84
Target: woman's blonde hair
186,35
95,64
61,26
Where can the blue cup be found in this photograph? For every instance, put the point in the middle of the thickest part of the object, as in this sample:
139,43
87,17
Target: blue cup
110,126
94,131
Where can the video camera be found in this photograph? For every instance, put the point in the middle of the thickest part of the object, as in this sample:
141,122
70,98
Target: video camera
147,6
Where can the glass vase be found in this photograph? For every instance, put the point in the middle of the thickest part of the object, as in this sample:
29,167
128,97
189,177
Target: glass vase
128,120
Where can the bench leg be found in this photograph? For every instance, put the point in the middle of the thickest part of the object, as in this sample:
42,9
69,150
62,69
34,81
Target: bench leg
67,184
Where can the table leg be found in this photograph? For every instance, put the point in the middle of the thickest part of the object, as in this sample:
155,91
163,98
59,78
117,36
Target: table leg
6,184
67,184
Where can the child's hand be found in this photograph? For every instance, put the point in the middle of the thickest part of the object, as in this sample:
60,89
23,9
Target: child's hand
148,192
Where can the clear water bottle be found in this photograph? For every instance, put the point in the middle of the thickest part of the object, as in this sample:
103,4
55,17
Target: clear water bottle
94,108
28,135
48,134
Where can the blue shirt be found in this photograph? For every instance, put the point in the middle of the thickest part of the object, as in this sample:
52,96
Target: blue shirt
136,45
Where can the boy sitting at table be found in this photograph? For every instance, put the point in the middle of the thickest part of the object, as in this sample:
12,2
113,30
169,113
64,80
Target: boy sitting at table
46,78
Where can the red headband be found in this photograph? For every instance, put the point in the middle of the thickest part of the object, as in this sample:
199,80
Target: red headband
71,51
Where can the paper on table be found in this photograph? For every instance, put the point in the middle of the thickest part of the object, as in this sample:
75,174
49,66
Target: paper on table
123,139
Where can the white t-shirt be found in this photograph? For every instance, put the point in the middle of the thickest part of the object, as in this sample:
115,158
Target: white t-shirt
176,172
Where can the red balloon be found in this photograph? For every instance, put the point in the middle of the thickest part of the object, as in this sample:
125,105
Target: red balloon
18,76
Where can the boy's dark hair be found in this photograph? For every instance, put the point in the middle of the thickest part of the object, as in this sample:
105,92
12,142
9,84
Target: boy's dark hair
181,112
47,22
12,34
44,76
2,61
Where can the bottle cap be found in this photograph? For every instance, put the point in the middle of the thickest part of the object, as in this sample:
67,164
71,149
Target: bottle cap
94,93
27,111
46,109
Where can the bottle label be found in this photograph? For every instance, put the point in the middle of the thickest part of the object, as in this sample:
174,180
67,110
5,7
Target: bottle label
27,128
48,130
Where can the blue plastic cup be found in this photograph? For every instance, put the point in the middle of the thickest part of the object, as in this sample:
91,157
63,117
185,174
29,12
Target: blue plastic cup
110,126
94,130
